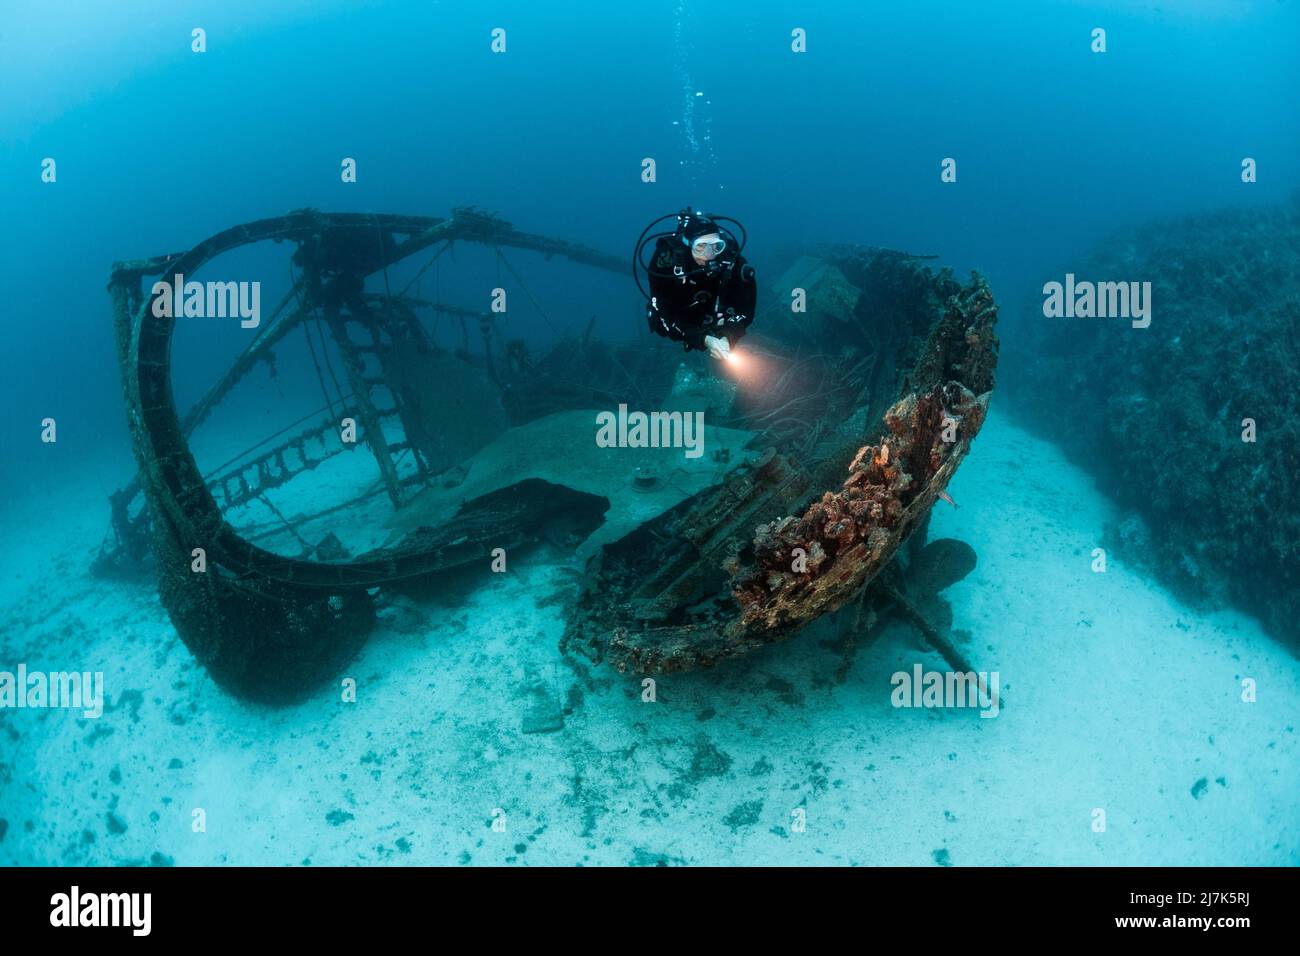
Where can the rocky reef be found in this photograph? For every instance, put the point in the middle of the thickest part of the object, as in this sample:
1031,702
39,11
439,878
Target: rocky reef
1193,423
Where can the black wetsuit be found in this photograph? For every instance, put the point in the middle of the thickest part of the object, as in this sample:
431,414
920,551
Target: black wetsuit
689,301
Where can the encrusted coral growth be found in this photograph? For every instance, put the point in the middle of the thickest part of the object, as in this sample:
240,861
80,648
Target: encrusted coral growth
815,562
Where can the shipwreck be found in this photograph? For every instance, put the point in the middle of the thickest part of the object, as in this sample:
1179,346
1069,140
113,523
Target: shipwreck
813,494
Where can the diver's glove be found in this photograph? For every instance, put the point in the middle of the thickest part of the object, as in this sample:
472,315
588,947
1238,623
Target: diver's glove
718,348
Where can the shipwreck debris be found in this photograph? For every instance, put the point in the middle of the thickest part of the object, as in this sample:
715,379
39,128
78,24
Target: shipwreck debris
269,625
752,561
703,558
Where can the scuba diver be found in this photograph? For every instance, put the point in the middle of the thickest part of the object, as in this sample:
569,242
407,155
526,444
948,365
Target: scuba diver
702,291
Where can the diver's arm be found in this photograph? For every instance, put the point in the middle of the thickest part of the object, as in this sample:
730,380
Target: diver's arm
660,323
739,301
666,307
665,324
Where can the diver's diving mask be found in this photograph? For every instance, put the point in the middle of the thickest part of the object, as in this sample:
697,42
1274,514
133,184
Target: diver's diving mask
708,248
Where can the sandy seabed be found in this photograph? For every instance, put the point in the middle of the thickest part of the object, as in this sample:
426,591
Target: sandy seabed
1117,698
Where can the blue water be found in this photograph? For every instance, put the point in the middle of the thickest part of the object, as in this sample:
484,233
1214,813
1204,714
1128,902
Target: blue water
158,147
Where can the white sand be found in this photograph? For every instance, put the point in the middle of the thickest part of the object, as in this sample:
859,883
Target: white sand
1117,697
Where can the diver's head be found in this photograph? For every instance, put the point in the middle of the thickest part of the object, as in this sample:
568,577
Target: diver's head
706,248
700,235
